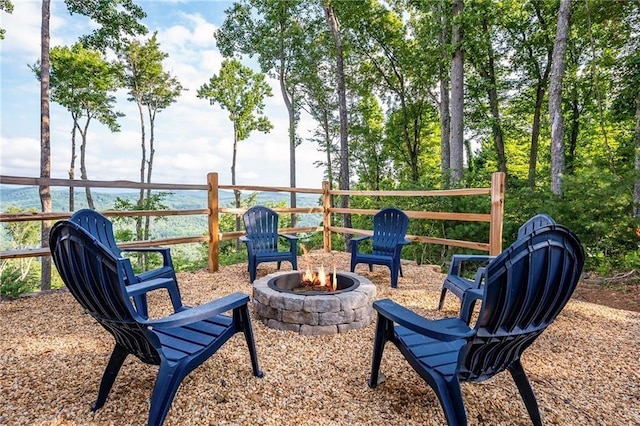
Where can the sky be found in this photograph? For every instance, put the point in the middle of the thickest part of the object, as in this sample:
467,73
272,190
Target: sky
192,138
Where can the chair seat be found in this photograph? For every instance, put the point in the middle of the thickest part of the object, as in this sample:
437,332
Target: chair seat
186,341
431,353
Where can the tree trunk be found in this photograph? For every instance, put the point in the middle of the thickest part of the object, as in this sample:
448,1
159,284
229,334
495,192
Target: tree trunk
535,133
334,27
636,187
288,102
72,163
445,118
45,142
555,96
457,96
236,193
143,163
152,150
83,167
492,92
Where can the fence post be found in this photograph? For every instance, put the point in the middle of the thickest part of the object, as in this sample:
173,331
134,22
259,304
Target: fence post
326,204
497,213
214,234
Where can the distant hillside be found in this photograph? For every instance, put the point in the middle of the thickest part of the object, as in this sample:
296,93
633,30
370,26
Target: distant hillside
172,226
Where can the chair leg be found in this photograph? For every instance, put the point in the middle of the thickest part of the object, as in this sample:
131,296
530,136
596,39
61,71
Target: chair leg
443,293
394,276
279,263
141,305
450,397
529,398
252,271
118,356
167,383
371,267
241,316
383,329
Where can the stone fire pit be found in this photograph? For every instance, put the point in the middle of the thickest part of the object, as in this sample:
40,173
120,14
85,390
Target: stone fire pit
314,313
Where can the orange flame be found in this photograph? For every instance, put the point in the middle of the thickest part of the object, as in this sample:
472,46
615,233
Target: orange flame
320,279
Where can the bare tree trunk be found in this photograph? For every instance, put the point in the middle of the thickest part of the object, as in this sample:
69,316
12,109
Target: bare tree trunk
143,164
72,164
334,27
457,96
288,102
152,150
636,187
236,193
541,87
445,118
555,96
45,142
83,167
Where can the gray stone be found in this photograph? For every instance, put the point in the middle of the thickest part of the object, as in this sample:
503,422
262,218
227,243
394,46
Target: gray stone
332,318
277,325
352,300
321,304
289,302
318,330
264,311
300,317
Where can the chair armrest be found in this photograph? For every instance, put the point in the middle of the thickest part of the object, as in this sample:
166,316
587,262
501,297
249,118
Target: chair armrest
244,239
469,300
164,251
150,285
289,237
199,313
457,259
431,328
358,240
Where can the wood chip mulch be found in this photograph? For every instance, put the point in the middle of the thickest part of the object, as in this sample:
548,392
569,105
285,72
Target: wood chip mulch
584,368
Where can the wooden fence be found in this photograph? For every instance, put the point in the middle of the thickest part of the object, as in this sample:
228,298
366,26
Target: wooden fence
213,210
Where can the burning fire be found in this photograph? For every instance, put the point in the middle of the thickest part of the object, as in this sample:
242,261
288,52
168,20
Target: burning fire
319,280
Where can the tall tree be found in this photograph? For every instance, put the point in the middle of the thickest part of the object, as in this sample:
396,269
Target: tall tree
115,18
83,82
240,91
152,89
274,31
334,29
457,94
558,63
45,140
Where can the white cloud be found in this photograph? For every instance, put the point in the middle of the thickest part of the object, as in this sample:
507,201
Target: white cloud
192,137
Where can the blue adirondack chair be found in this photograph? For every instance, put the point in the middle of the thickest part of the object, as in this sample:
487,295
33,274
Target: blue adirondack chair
261,224
463,287
102,229
526,288
177,343
389,230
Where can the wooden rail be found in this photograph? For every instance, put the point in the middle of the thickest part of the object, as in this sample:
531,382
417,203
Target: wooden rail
213,210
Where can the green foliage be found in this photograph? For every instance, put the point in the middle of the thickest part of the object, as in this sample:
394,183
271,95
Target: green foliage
240,91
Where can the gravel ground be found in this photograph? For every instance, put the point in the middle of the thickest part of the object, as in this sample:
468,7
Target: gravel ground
584,368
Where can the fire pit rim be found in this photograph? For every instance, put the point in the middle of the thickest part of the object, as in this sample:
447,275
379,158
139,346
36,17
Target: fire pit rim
355,283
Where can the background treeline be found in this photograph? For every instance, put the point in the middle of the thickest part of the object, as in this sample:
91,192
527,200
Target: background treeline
412,94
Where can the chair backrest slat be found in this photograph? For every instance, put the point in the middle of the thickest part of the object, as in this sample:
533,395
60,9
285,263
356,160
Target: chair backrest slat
389,228
261,224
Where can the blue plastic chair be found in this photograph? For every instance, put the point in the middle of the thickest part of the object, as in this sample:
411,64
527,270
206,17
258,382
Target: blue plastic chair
261,224
389,229
460,286
526,288
177,343
102,229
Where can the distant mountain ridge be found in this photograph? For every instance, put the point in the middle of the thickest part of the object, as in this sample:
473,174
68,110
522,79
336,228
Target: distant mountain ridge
28,197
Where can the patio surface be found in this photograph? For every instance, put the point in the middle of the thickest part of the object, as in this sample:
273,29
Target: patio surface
583,369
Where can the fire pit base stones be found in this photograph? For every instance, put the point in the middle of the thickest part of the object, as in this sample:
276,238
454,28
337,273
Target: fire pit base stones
314,314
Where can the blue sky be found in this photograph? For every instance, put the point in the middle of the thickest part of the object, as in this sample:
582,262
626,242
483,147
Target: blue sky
192,137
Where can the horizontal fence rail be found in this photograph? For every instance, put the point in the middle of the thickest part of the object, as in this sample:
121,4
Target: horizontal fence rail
213,210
